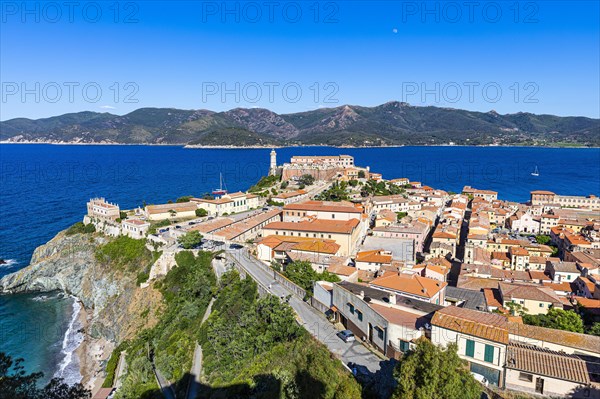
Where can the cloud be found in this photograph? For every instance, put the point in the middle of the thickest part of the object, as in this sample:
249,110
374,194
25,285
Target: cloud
107,107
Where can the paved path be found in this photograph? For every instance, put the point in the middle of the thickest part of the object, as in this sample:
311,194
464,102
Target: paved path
196,370
121,370
164,384
313,320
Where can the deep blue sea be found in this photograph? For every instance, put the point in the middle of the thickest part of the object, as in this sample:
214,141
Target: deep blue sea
44,189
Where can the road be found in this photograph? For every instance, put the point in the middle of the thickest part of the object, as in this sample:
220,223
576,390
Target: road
314,321
164,384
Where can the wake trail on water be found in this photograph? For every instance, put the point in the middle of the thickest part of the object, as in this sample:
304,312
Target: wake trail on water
68,369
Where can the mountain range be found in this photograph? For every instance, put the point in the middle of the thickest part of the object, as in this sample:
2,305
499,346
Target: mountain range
392,123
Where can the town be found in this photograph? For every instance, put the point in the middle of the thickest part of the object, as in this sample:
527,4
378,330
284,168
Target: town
380,264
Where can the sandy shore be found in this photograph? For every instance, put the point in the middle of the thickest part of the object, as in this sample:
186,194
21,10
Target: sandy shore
93,353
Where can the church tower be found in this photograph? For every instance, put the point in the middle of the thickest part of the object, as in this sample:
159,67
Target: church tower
273,165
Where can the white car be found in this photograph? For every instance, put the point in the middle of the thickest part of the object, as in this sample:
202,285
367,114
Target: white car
480,378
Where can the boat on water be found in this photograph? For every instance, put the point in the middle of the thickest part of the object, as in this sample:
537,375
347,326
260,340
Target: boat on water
222,187
535,172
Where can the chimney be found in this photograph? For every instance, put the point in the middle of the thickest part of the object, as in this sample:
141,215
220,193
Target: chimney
361,294
392,299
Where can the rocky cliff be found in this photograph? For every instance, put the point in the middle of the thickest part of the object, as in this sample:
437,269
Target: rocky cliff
118,307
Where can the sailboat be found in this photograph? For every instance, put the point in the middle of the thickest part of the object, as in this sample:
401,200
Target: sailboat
535,172
221,190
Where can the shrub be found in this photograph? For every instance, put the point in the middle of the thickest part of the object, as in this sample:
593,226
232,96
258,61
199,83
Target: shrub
201,212
124,253
80,228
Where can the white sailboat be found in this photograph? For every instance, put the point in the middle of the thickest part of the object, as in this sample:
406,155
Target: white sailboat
535,172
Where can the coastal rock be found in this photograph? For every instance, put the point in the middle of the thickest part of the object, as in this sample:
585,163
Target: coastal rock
118,307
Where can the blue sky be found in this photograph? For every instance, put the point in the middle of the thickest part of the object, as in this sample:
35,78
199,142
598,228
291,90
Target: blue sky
540,57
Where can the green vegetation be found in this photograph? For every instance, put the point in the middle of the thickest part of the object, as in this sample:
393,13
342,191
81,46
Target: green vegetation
154,226
431,372
190,240
558,319
185,198
361,174
80,228
515,309
274,203
302,273
401,215
15,383
255,348
284,184
337,192
373,187
306,180
353,183
542,239
111,365
594,329
201,212
264,183
124,253
186,291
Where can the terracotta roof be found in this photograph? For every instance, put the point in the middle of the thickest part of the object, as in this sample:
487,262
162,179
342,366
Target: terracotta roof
564,286
212,225
410,283
399,317
492,298
518,251
137,222
290,194
242,226
346,207
528,292
539,275
564,267
542,192
342,270
560,337
375,256
489,326
546,362
317,225
177,206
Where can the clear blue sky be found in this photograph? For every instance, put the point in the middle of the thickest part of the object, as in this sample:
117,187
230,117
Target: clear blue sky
543,56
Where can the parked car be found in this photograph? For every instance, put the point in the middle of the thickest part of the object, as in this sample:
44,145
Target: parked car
236,246
480,378
346,336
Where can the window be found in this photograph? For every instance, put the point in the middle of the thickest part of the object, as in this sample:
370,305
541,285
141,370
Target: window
489,354
541,305
333,215
359,315
379,332
404,346
351,307
470,348
526,377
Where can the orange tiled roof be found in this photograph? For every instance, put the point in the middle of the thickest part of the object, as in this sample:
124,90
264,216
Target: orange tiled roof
346,207
375,256
317,225
412,284
489,326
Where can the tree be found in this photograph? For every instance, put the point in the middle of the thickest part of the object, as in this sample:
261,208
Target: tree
401,215
558,319
431,372
122,215
542,239
361,174
353,183
516,309
594,329
306,179
201,212
303,274
15,383
185,198
190,240
284,184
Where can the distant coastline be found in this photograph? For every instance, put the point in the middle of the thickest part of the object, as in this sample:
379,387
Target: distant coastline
239,147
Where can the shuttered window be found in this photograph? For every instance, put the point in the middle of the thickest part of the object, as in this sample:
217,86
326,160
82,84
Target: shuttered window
489,354
470,349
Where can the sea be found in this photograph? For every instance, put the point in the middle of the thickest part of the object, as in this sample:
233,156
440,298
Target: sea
44,189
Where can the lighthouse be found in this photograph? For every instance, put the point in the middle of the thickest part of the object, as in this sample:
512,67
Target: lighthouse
273,164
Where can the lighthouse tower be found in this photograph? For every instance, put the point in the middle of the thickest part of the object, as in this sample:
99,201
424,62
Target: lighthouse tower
273,164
